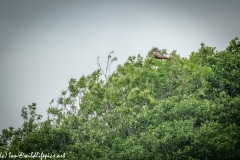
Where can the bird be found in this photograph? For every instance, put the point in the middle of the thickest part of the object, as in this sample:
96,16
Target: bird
158,55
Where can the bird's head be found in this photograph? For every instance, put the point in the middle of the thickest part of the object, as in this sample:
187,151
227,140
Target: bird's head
155,49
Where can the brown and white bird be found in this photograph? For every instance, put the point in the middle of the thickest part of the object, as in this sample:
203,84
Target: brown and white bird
158,55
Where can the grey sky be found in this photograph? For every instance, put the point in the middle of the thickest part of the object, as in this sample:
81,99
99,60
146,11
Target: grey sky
45,43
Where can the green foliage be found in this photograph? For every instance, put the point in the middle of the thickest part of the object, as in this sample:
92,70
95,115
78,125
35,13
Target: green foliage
146,109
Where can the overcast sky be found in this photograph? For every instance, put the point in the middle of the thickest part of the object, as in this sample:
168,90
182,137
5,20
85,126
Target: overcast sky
45,43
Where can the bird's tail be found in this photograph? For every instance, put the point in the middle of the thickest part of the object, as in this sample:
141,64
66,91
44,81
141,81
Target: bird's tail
168,58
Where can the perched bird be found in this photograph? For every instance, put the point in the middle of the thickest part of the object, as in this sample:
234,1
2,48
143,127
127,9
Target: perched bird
158,55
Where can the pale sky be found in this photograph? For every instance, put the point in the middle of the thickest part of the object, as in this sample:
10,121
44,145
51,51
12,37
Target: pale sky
45,43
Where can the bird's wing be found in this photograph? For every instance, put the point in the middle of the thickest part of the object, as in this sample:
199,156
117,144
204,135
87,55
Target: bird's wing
158,55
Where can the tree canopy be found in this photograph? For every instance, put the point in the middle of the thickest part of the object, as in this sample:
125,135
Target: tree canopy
186,108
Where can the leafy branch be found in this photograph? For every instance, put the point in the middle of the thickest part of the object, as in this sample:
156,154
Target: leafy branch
107,69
